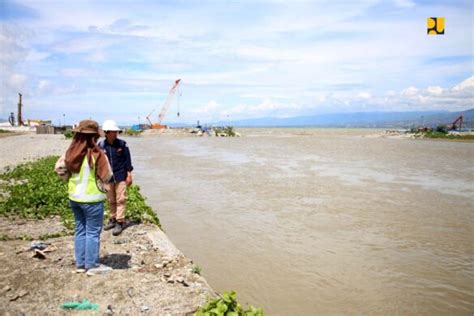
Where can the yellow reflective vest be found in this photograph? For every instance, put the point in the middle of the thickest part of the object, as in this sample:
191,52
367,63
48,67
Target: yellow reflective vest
82,186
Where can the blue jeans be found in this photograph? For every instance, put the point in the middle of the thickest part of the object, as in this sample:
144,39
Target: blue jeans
89,219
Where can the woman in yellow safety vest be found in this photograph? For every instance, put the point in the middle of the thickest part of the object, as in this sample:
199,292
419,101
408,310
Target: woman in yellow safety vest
87,170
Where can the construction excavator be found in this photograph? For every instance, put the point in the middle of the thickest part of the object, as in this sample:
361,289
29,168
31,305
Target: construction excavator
165,107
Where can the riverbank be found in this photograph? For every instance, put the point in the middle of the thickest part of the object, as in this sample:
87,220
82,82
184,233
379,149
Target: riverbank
150,274
433,135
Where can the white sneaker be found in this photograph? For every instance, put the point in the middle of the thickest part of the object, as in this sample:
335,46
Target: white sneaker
100,269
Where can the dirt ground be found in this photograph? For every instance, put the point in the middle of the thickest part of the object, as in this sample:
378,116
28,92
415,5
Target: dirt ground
22,147
150,275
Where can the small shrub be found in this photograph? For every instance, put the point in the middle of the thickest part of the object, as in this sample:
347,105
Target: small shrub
442,129
137,209
131,132
229,131
68,133
225,131
227,305
196,269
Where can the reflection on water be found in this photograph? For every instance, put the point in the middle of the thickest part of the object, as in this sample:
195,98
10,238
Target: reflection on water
320,221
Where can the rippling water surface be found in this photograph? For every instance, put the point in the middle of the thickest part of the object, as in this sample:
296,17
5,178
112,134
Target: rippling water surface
320,221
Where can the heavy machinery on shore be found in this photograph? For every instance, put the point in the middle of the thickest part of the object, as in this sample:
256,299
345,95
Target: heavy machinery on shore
11,118
459,120
165,107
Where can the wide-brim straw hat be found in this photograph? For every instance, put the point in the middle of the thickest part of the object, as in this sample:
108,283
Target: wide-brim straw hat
88,127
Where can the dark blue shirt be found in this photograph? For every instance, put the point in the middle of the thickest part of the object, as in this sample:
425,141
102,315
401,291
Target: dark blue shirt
119,158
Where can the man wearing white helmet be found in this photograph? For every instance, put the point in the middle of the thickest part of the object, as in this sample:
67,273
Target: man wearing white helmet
119,157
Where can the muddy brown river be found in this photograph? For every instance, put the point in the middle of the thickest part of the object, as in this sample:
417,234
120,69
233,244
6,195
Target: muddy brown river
320,221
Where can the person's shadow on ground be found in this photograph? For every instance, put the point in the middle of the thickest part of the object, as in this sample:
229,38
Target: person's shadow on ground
117,261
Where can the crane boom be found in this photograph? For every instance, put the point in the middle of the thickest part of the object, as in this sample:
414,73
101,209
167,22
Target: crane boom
167,103
165,107
459,120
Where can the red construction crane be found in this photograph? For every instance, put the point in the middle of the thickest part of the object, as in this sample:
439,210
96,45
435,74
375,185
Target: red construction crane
460,119
165,107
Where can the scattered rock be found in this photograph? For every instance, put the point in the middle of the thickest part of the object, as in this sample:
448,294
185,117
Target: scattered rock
38,254
120,241
14,297
6,288
109,310
19,295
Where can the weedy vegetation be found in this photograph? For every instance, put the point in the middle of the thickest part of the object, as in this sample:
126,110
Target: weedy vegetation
196,269
131,132
227,305
445,135
33,190
68,133
225,131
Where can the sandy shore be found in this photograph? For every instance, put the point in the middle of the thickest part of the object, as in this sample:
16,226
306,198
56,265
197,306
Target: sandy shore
150,274
20,148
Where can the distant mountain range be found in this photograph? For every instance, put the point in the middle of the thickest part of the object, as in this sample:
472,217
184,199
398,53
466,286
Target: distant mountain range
356,119
361,119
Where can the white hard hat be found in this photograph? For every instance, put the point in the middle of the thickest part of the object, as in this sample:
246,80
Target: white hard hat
110,125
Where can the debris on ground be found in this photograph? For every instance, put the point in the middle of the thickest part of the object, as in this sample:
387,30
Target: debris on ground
84,305
150,275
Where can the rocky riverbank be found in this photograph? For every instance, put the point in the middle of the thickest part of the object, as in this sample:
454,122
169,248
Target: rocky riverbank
150,274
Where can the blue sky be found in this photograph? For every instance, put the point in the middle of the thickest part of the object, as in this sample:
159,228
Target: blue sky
236,59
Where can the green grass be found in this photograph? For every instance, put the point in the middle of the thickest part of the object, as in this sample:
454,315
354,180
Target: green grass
3,131
435,134
131,132
33,190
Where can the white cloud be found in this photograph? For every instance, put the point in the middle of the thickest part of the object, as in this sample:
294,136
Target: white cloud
17,81
410,91
364,95
249,59
467,84
208,109
43,85
435,90
460,97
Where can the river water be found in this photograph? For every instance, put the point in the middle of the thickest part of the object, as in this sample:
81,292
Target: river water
320,221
